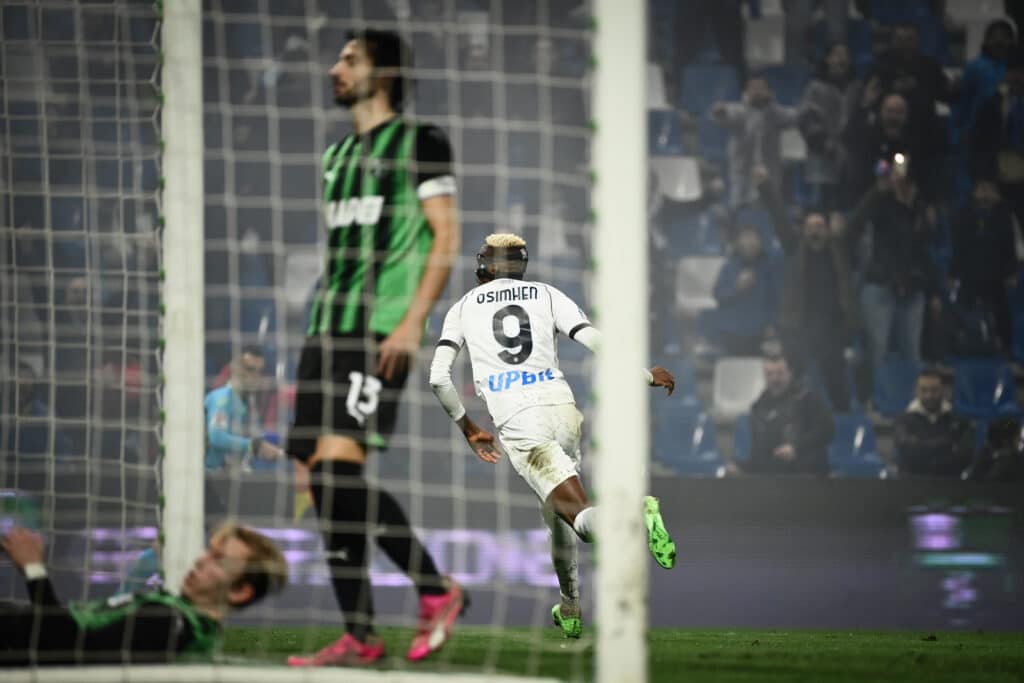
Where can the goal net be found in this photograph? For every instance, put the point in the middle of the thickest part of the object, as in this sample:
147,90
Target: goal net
79,172
85,95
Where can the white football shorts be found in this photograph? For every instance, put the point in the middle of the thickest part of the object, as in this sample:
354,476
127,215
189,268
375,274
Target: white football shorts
543,445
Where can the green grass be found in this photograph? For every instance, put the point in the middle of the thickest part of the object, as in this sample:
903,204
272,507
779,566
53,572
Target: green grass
694,655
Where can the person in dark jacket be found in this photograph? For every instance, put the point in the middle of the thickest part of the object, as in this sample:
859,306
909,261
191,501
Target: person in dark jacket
818,315
984,265
791,427
902,68
1001,457
874,135
931,439
899,276
997,141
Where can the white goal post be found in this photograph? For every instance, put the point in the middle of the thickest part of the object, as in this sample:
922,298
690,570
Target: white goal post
620,253
183,305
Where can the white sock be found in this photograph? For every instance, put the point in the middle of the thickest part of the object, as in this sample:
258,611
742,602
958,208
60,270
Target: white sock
564,557
584,524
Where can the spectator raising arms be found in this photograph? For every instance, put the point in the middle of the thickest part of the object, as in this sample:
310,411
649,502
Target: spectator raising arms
828,99
819,315
756,125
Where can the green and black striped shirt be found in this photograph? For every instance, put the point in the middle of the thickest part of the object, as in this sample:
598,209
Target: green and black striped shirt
378,237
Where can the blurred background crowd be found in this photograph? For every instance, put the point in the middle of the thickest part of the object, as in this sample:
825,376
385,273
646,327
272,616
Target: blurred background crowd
835,217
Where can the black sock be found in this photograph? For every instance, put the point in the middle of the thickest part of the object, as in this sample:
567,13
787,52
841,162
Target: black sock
356,506
399,541
341,507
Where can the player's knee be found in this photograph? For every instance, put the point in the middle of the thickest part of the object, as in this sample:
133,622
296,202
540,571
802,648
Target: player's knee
343,448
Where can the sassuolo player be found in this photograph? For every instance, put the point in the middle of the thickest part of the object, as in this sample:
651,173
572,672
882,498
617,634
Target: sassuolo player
509,327
389,208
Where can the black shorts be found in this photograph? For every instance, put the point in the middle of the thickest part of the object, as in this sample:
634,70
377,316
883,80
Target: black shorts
338,392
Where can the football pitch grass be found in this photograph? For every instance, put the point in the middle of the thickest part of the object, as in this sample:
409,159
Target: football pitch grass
691,655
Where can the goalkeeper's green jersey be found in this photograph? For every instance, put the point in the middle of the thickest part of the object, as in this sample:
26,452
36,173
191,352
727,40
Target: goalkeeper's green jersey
158,616
378,238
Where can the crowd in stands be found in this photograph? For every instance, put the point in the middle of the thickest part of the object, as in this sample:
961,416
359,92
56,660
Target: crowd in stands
847,251
837,194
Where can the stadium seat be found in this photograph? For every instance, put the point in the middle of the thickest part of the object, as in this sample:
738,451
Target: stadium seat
741,438
678,178
894,385
854,452
737,383
794,148
684,439
714,140
694,231
860,38
705,84
656,88
974,10
765,41
788,82
758,217
664,133
301,270
695,280
984,388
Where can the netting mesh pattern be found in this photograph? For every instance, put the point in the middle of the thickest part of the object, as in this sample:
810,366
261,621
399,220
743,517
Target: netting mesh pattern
507,84
80,292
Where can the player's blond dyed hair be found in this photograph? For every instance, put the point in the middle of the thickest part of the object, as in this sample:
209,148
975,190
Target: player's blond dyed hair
505,240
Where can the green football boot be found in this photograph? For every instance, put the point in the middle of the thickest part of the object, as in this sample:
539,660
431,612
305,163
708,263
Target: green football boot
662,547
571,627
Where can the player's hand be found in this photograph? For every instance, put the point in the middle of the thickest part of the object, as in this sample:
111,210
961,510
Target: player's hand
663,378
396,351
785,453
23,546
269,451
482,443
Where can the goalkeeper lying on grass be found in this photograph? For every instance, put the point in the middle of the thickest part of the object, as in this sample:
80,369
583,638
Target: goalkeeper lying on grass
238,568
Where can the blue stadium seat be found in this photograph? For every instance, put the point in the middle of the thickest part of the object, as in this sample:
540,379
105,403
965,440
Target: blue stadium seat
705,84
984,388
714,140
664,132
684,439
757,216
894,385
854,451
888,12
693,232
741,438
788,81
860,37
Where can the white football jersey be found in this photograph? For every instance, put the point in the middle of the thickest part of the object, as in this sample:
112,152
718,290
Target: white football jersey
510,329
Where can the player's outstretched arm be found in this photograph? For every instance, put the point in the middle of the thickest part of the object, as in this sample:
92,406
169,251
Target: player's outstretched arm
656,376
660,377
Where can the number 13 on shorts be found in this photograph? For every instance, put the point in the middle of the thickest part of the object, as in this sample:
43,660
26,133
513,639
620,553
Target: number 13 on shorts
363,396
